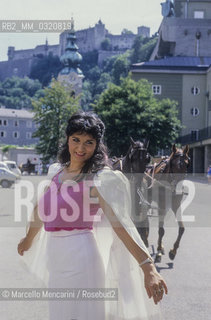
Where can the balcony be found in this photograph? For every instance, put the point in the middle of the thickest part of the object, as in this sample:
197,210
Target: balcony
195,136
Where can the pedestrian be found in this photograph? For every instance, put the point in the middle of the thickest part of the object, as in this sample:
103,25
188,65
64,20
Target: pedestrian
92,241
39,169
209,174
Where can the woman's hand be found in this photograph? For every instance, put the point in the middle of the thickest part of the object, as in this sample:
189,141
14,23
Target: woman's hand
154,283
24,245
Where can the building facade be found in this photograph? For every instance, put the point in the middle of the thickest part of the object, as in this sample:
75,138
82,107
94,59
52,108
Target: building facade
180,69
17,127
185,32
187,81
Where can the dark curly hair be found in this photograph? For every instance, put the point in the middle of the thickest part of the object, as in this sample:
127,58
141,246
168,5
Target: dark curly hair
86,122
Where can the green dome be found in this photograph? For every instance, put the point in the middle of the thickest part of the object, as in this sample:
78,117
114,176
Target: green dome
71,59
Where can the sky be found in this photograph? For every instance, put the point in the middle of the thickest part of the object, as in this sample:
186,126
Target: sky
115,14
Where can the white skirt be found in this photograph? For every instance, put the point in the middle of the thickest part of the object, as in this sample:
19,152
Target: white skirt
74,261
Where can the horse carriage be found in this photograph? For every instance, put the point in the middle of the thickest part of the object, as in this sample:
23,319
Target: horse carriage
28,168
144,178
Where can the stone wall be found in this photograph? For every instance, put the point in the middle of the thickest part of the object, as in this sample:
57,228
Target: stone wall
20,155
102,55
30,53
121,42
183,32
185,9
144,31
19,68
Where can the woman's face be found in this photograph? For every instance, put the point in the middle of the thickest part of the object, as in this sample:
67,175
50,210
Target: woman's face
81,147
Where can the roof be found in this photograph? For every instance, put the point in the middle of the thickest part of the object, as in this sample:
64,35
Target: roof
15,113
175,62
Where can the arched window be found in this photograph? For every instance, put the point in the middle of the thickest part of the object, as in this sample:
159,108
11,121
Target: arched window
194,112
195,90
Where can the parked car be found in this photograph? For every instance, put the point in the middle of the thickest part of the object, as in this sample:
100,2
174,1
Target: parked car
7,178
12,165
4,165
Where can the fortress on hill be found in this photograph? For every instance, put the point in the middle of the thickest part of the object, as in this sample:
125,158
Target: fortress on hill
19,61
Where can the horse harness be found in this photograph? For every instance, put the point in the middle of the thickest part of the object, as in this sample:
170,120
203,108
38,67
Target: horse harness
165,166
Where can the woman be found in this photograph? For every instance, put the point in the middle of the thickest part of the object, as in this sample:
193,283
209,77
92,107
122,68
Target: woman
83,252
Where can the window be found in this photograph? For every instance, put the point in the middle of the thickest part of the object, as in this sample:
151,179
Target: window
3,122
16,134
29,124
28,135
194,135
194,112
16,123
198,14
156,89
2,134
195,90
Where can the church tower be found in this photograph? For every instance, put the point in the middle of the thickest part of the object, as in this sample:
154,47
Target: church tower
71,59
185,29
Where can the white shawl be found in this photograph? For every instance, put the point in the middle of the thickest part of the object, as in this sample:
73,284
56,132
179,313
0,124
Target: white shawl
122,270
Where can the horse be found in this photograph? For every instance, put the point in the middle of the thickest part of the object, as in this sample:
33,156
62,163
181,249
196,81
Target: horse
27,167
133,165
165,176
136,159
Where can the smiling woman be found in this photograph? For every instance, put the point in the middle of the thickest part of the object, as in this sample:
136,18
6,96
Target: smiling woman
81,148
84,149
92,243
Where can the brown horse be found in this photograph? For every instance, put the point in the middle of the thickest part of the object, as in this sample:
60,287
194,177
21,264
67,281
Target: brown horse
136,159
133,165
165,176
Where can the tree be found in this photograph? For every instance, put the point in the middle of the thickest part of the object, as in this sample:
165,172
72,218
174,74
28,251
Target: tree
113,68
45,67
102,83
131,110
146,50
90,60
106,44
16,92
142,48
126,31
108,63
51,114
94,74
120,68
86,97
96,81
